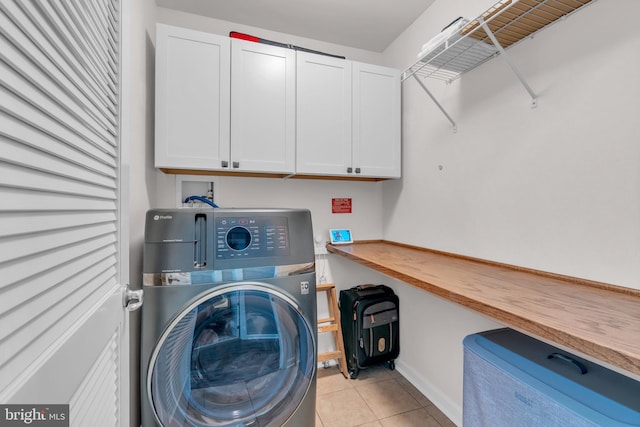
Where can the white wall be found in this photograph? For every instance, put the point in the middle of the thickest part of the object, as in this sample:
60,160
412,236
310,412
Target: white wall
315,195
141,172
216,26
556,188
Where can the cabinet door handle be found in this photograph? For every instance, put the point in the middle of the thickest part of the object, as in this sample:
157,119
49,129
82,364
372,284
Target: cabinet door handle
225,164
349,170
236,165
357,170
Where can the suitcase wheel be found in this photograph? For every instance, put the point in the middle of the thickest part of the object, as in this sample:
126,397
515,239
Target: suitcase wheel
391,364
353,374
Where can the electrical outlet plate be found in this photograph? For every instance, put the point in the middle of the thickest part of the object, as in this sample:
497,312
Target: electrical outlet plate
320,244
195,185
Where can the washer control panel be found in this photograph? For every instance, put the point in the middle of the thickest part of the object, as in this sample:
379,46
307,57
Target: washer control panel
251,237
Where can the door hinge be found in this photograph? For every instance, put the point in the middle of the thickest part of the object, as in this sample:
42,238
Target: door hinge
132,299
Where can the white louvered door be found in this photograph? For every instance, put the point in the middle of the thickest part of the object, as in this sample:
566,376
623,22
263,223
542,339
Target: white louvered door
63,242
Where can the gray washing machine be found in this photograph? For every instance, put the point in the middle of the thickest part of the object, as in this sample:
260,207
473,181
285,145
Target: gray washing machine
229,322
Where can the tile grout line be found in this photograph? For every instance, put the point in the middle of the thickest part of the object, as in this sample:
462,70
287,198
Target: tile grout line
421,401
399,383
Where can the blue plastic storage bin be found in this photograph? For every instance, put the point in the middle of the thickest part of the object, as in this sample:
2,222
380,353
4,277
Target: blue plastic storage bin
514,380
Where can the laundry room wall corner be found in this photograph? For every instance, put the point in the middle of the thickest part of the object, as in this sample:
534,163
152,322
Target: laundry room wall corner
142,174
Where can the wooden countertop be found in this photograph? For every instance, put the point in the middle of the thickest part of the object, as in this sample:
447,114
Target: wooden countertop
595,318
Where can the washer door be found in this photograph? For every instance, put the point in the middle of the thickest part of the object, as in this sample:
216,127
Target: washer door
240,355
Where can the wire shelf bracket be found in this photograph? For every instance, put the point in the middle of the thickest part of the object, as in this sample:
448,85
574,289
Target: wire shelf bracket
433,98
503,54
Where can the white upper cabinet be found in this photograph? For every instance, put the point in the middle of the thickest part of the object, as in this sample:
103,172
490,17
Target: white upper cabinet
348,120
376,121
225,105
192,99
323,115
262,108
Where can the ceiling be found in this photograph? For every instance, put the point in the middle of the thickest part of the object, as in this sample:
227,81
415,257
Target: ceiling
364,24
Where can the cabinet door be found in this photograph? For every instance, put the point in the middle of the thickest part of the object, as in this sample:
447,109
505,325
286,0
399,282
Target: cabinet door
323,115
262,107
192,99
376,121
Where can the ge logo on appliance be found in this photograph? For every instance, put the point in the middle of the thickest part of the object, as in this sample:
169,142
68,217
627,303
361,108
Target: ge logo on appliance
304,288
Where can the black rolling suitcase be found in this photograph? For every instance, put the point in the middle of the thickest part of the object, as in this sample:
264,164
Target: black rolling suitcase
369,315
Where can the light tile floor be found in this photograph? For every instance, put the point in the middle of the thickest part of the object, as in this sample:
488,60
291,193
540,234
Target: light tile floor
379,397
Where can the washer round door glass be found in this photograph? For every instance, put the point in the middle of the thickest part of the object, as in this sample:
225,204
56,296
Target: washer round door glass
241,355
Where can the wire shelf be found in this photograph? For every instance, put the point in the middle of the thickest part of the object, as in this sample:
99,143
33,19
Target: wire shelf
509,21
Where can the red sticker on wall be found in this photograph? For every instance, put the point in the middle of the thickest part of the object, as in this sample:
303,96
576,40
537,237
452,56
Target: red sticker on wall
341,205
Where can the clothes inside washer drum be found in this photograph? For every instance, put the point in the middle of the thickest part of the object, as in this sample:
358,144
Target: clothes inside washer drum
216,370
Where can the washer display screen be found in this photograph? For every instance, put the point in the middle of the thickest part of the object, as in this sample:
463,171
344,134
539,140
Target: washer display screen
251,237
238,238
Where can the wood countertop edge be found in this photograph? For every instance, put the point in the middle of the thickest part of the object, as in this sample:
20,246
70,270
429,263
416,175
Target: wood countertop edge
561,336
555,276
